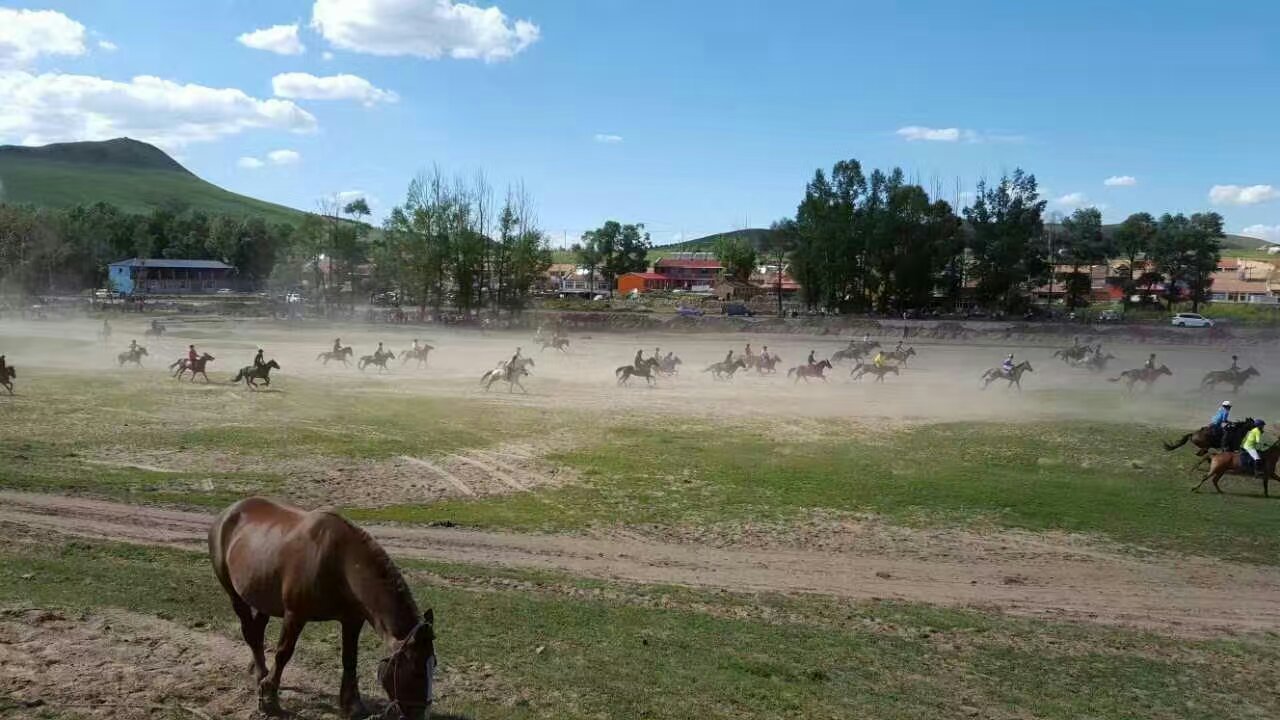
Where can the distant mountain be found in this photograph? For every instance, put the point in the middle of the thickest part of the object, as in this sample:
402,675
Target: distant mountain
133,175
759,238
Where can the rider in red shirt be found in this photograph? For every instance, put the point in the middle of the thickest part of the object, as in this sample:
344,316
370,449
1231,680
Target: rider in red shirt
191,355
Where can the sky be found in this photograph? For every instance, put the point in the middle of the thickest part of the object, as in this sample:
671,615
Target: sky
691,117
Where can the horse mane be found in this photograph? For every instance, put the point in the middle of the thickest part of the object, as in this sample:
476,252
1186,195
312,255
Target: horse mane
385,567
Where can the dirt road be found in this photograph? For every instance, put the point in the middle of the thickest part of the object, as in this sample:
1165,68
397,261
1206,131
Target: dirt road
1023,576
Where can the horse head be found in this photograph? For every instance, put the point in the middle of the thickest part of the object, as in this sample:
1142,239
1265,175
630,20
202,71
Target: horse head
272,364
1026,366
739,363
407,674
825,364
1164,370
206,357
910,351
1251,371
142,350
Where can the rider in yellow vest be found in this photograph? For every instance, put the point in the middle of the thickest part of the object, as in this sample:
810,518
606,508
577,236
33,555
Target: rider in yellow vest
879,361
1251,444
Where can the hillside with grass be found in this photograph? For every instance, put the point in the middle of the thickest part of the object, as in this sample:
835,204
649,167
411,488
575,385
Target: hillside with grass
132,175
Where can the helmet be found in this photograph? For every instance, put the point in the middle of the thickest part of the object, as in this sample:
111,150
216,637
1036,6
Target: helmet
1226,403
1260,422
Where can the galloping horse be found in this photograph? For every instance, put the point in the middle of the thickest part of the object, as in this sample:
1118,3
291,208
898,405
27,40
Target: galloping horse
274,560
1205,439
900,355
8,377
767,364
1234,378
855,351
250,373
724,370
1014,377
862,369
511,373
1230,462
342,355
670,365
1073,354
378,358
156,330
134,356
493,375
184,364
1096,362
804,372
420,355
649,368
1145,375
559,343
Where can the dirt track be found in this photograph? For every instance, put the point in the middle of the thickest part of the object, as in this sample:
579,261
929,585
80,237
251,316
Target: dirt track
1019,574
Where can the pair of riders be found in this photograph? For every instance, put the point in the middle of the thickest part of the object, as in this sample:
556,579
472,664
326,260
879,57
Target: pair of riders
1250,447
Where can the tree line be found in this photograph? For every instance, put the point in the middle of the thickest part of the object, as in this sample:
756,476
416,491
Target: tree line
877,242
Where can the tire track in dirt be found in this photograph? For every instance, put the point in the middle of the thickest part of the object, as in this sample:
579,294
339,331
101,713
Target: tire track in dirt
1178,595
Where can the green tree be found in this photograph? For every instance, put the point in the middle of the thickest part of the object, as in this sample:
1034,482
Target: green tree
1083,245
1006,222
1186,251
1132,239
737,255
619,248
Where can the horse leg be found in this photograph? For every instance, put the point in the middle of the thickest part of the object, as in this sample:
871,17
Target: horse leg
1216,477
269,688
1197,485
349,694
253,626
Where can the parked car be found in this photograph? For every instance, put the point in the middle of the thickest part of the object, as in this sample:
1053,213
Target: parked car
1191,320
683,311
225,291
104,294
737,310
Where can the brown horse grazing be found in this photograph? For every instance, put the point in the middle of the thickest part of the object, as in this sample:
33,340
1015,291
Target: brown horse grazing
1229,463
1234,378
280,561
1145,375
8,377
807,371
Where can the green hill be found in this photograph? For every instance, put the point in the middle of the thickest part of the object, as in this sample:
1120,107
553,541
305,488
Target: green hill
132,175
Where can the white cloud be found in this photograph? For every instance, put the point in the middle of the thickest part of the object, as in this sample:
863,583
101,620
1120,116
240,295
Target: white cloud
912,133
249,163
279,39
1073,200
1120,181
107,46
1242,195
424,28
53,107
326,55
284,157
305,86
607,139
1270,233
27,34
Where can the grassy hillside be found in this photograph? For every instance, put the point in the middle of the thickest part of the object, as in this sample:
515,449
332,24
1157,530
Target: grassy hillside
132,175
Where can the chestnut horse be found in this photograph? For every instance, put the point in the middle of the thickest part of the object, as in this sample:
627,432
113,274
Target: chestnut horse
280,561
1229,462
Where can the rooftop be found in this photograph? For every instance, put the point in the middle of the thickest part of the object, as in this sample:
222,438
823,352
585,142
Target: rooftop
172,263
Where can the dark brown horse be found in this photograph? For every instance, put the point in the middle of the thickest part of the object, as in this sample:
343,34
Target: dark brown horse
1143,375
250,373
8,377
280,561
804,372
343,356
1234,378
1230,463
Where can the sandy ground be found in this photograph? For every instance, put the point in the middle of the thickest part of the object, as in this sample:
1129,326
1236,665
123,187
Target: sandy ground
941,383
1044,576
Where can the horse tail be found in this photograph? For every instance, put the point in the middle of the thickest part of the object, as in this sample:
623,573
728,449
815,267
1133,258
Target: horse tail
791,372
1114,379
239,376
1179,443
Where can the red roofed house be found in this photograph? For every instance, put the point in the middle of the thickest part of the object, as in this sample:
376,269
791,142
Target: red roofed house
642,282
689,271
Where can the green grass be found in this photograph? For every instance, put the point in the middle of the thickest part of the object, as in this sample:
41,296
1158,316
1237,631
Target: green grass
1073,477
620,651
56,183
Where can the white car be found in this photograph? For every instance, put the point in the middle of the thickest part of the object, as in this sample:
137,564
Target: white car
1191,320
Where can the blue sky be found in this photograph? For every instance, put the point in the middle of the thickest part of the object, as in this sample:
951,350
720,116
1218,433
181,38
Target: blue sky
693,117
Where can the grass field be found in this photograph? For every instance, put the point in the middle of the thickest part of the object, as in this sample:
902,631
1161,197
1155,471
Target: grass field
1002,557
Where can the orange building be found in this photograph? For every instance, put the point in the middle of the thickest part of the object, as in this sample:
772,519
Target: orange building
642,282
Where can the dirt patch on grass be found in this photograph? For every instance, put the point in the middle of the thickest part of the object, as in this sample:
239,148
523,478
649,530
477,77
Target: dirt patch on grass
117,664
325,480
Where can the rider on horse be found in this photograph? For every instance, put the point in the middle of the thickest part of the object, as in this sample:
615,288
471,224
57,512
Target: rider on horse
879,361
192,356
337,346
1235,363
747,351
1250,446
812,361
1151,362
1218,423
258,361
639,361
133,346
1006,367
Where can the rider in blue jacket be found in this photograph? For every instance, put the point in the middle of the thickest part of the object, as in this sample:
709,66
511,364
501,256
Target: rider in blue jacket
1221,417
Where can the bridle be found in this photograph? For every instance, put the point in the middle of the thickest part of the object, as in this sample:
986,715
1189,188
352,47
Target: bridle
389,664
